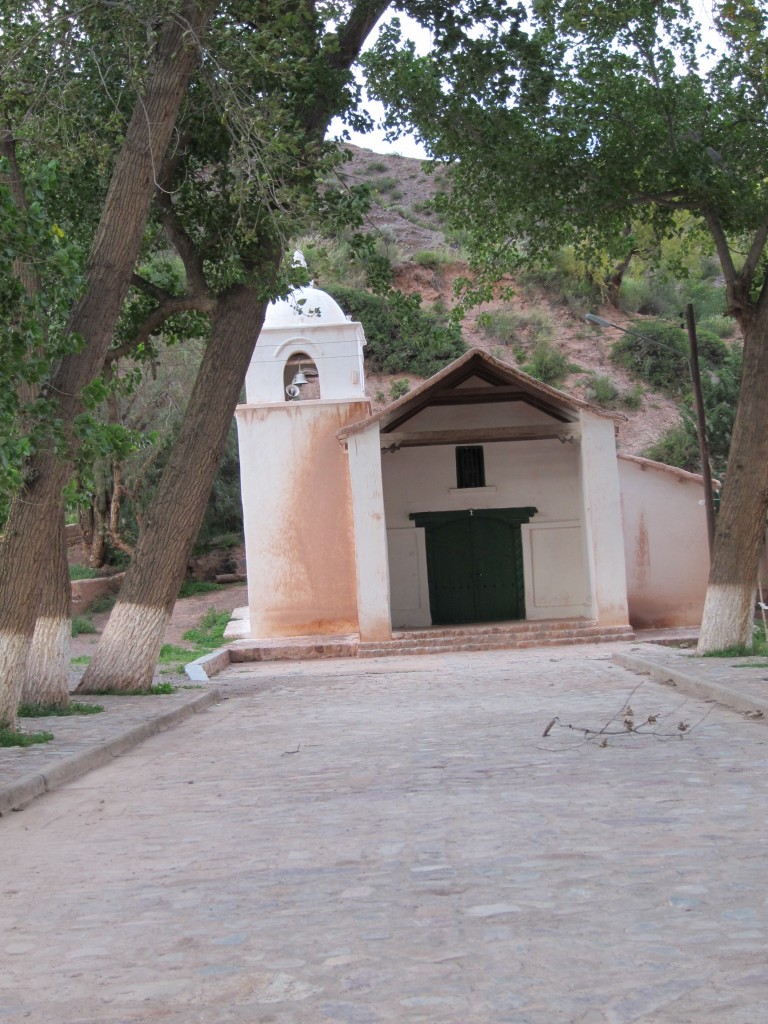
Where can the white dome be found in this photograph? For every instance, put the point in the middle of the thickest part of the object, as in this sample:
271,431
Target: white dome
304,307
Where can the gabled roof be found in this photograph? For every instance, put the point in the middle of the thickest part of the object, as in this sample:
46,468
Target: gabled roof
501,382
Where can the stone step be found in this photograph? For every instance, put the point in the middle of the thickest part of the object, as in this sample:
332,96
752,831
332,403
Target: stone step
499,641
492,629
517,636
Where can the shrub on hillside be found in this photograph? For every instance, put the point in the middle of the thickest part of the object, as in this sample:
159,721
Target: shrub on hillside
402,337
658,352
548,364
679,446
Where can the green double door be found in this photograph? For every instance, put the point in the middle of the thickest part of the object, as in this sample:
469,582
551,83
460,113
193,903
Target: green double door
475,564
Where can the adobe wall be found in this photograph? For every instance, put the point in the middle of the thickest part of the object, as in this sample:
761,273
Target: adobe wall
665,541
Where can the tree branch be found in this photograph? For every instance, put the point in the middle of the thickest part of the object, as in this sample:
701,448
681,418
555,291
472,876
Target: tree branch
169,307
737,294
349,42
154,292
176,234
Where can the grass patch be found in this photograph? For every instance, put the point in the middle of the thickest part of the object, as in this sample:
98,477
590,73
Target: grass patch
156,689
433,259
82,659
759,648
189,588
82,572
210,632
9,738
752,664
82,625
45,710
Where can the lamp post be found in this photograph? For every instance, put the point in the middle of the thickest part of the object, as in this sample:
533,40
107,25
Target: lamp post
698,399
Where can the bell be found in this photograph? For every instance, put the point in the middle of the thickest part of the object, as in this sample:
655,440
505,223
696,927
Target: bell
300,379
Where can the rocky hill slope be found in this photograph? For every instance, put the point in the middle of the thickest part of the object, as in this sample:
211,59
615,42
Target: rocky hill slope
427,262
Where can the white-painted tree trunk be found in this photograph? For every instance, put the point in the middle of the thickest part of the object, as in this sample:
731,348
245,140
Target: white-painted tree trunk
13,654
46,674
728,613
728,609
128,649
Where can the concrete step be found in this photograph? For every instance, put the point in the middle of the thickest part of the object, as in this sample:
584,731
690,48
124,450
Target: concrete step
433,641
504,636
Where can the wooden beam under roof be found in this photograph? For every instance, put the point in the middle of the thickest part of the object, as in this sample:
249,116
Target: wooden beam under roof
477,435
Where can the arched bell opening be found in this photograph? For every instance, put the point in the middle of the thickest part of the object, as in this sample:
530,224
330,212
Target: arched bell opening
301,379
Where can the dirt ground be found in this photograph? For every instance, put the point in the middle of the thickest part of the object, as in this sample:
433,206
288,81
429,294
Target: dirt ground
186,614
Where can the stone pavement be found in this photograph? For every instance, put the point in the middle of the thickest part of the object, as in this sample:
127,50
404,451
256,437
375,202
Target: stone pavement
398,842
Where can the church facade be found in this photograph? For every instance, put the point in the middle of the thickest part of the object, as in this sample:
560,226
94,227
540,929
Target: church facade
481,496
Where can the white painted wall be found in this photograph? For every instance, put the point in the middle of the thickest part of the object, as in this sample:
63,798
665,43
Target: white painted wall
603,534
665,531
373,609
544,474
297,508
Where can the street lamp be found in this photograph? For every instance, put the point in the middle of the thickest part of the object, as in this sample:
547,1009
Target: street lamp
698,399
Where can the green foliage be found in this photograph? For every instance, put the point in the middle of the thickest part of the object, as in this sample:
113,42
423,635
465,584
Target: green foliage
402,337
679,445
33,319
548,364
658,352
385,185
375,167
81,625
633,398
602,391
398,389
224,512
434,259
190,588
10,738
722,326
565,278
210,632
102,604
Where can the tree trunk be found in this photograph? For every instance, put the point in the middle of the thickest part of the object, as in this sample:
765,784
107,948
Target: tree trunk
728,610
31,520
127,653
46,675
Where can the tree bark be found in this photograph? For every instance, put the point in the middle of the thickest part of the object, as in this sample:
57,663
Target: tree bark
32,516
728,610
127,653
46,675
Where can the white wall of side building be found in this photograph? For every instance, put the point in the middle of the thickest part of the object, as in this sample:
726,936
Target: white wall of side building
601,510
298,521
544,474
665,540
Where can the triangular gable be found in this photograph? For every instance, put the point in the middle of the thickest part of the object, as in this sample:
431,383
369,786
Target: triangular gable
477,377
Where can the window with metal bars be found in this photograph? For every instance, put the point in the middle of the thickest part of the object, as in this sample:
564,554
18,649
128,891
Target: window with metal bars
470,466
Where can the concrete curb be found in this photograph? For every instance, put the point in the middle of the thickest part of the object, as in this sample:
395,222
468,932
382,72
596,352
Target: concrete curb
202,670
691,683
16,795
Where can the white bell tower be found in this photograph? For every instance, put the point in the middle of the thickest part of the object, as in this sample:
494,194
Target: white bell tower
305,382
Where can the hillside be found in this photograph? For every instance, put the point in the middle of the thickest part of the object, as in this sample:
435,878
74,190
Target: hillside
428,263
